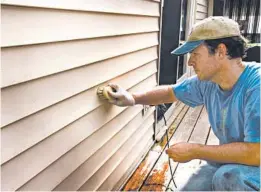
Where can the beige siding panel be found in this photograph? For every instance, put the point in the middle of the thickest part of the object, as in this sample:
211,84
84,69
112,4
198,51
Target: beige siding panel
128,165
61,112
38,94
101,158
203,2
201,8
25,166
48,25
104,172
200,16
75,157
24,63
135,154
137,7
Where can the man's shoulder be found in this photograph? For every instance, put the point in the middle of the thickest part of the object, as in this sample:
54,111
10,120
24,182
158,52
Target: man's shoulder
252,78
253,67
205,86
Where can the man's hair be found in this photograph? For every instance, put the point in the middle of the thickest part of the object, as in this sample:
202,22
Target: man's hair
236,46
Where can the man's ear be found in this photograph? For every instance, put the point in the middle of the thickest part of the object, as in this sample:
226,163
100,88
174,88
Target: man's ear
221,51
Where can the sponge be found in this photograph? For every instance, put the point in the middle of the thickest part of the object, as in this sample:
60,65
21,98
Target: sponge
103,94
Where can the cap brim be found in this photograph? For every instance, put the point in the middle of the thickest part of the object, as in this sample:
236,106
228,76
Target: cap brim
187,47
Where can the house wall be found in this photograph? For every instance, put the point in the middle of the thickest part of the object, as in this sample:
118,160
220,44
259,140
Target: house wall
201,10
56,134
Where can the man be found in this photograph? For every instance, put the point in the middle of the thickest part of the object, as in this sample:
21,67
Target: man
230,91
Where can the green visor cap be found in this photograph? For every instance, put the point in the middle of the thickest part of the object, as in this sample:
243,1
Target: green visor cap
186,47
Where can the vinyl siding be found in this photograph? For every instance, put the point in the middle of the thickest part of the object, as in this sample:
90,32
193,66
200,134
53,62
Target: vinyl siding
201,10
56,134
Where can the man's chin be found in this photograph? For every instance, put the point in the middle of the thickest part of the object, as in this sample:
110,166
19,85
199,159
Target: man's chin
202,78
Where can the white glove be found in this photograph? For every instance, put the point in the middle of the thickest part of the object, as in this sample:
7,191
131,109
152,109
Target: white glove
120,96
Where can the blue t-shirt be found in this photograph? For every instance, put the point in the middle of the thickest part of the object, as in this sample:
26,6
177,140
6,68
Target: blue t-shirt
234,115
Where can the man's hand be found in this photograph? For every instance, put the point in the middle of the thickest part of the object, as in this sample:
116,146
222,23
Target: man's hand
182,152
120,96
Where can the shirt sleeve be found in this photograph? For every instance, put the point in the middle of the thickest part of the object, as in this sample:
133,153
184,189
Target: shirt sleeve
190,91
252,117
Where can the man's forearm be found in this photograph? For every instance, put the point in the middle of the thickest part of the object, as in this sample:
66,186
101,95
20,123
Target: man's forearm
240,153
158,95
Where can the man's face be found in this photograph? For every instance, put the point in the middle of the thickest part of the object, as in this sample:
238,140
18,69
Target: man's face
205,65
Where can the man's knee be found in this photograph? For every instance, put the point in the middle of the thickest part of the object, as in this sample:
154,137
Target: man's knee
224,176
231,177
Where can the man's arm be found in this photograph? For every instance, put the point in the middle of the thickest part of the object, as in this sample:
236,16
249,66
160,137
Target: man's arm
189,92
239,153
158,95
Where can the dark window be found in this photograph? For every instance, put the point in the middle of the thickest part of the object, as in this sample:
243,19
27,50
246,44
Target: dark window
181,65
